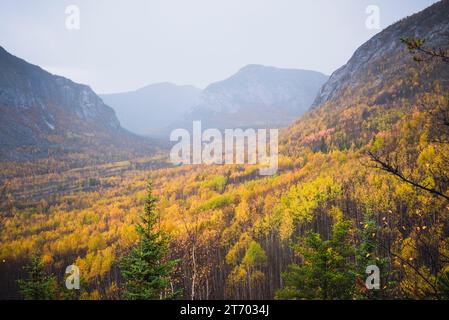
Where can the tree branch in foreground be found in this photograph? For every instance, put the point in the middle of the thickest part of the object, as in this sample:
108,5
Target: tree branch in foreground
397,172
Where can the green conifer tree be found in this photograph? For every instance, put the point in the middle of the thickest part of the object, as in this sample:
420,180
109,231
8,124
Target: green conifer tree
39,285
327,271
145,271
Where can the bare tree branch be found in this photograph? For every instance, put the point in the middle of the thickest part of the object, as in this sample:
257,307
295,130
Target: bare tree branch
385,166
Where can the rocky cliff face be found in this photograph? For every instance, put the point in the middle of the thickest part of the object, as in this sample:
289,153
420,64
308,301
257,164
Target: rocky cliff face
378,86
381,60
40,111
257,96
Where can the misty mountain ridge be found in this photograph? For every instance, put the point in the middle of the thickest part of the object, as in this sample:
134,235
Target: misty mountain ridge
257,97
149,109
277,96
41,113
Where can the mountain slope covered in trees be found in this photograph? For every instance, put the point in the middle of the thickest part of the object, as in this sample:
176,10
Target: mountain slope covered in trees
375,88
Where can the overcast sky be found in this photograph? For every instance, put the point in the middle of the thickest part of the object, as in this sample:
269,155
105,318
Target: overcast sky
124,45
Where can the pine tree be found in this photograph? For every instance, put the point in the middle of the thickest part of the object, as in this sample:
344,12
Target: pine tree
38,285
144,270
327,271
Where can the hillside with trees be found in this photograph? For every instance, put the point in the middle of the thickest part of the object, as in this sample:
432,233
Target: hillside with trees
363,180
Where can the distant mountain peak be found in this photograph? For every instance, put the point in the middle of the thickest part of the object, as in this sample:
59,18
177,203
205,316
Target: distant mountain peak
258,96
149,109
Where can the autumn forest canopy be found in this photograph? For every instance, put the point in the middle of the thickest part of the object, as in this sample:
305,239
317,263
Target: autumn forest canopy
362,183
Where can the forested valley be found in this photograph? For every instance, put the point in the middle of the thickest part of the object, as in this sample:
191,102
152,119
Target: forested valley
363,180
